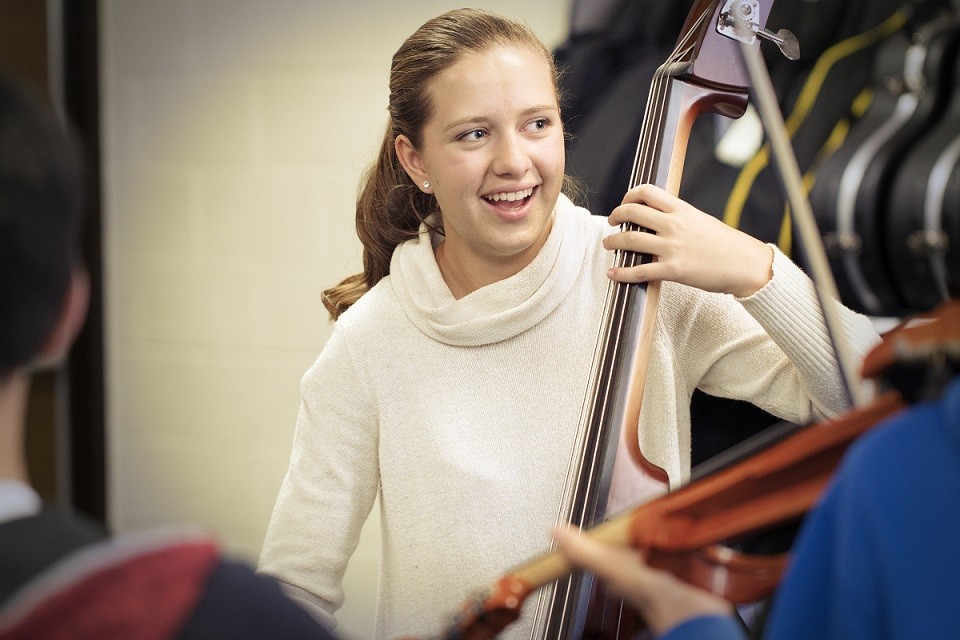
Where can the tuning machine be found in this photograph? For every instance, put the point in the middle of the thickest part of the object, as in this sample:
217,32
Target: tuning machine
740,20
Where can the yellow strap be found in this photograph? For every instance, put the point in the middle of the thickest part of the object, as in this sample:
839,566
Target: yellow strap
808,95
839,133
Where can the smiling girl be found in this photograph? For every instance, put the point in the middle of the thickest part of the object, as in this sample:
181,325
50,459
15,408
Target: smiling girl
453,381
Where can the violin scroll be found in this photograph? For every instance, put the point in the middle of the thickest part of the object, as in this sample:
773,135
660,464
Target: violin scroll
920,355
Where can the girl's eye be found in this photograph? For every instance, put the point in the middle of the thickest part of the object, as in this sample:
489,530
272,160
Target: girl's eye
476,134
539,124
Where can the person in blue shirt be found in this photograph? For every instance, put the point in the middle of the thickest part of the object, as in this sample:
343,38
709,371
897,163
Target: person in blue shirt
877,558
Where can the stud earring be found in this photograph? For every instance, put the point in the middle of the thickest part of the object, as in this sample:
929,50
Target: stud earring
426,184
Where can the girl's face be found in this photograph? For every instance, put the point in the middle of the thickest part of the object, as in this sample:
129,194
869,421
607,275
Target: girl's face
493,152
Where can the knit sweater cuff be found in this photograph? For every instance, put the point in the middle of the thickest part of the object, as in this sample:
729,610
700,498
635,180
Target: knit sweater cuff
788,309
788,293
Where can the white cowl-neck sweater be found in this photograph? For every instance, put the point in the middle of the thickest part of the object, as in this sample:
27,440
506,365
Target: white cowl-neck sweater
462,414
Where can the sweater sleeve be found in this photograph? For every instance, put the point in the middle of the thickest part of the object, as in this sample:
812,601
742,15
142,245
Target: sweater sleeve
330,485
771,349
788,309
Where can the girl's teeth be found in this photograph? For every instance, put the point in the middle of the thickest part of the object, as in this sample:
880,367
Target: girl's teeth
510,197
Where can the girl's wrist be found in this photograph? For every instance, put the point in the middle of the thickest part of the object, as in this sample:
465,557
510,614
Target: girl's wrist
758,272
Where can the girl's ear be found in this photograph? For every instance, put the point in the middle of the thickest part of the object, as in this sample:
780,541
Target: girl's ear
72,315
412,162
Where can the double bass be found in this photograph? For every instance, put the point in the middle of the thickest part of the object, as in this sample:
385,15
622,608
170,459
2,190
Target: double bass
702,75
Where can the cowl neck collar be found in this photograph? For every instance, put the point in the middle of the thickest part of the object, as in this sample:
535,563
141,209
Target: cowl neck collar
498,311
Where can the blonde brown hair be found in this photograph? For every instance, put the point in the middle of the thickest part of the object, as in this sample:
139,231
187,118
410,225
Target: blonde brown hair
390,208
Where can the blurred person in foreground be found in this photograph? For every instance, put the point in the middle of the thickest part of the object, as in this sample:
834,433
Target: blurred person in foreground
61,576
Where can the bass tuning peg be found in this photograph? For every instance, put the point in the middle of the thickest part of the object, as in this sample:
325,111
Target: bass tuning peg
785,40
740,19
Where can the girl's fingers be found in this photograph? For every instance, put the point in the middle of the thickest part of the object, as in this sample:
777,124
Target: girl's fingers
689,246
652,196
638,241
648,272
639,214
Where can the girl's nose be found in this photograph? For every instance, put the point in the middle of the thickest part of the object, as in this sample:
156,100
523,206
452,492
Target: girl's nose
511,157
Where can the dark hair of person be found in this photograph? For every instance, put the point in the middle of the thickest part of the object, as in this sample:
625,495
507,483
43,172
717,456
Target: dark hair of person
40,222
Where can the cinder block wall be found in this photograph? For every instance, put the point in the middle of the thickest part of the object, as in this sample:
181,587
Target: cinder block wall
234,132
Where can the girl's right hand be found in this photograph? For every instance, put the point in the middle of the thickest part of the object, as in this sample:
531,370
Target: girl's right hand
691,247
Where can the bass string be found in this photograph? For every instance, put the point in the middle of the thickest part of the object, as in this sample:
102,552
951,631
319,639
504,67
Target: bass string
592,437
577,497
592,456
